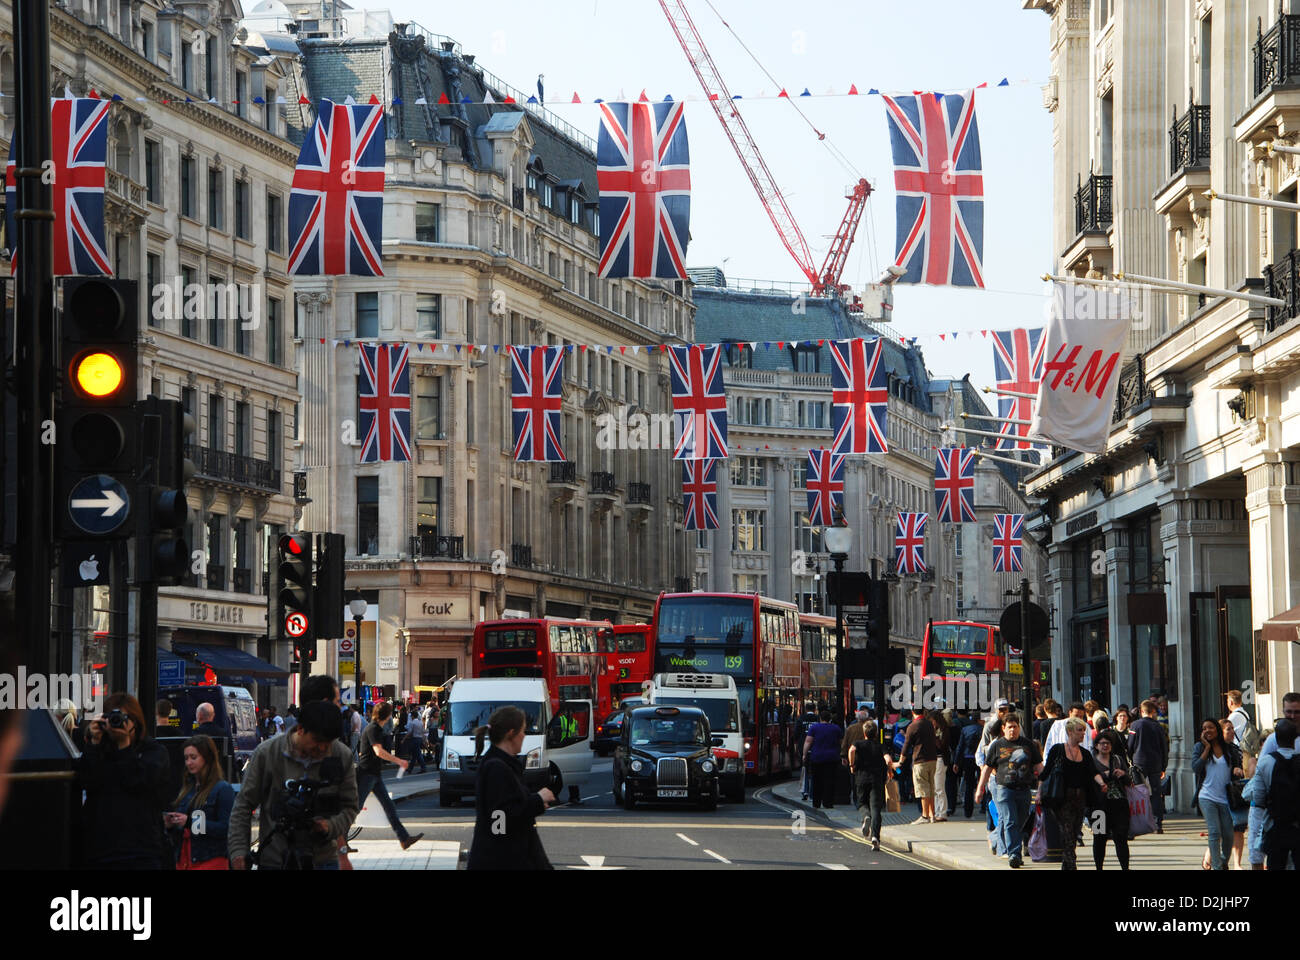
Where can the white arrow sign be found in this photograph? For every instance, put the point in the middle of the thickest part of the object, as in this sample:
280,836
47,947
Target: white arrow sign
108,501
594,863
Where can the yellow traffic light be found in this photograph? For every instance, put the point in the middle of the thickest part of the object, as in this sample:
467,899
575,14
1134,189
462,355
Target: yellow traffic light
98,374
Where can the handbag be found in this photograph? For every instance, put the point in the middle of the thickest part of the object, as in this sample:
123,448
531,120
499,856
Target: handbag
1038,839
1139,810
1051,792
893,804
1235,799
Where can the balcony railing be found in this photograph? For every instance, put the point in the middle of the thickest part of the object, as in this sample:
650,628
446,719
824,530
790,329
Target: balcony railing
564,471
602,482
245,471
521,555
426,546
1189,139
241,580
1092,203
1133,388
1280,280
216,576
638,493
1277,53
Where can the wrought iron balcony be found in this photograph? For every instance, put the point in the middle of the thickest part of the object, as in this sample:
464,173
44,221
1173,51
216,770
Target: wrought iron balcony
681,585
602,482
1133,388
1189,138
564,471
1092,203
521,555
638,493
241,580
233,468
216,576
1277,53
1280,280
428,546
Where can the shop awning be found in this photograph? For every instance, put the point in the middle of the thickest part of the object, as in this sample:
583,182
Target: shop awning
233,666
1284,628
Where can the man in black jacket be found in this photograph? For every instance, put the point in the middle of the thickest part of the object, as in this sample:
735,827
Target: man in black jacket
1149,748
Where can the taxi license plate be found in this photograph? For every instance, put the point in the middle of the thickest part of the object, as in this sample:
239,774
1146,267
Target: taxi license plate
672,793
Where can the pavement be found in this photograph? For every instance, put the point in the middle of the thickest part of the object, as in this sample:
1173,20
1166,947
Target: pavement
375,852
961,844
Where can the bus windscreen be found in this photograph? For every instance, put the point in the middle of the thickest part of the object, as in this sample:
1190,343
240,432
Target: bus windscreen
706,621
958,640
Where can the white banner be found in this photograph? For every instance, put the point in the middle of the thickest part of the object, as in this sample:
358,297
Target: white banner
1081,366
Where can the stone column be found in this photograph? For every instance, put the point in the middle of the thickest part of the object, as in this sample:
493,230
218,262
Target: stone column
780,523
1273,509
720,575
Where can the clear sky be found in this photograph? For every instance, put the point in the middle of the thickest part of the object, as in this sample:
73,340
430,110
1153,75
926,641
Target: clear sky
604,48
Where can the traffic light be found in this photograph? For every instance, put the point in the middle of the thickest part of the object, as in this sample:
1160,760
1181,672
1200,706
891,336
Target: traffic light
162,554
329,585
96,429
294,580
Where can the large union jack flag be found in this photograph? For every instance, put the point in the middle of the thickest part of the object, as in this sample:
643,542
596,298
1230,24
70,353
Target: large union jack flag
954,484
825,483
1018,366
1008,542
939,181
536,393
384,402
700,491
699,402
336,206
909,543
79,145
644,174
860,393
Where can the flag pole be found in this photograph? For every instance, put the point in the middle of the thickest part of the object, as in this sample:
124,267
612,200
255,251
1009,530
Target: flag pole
1179,286
1006,393
1274,147
982,433
1019,423
1254,201
1014,463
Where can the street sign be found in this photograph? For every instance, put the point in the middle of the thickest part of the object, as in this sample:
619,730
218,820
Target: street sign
99,504
171,673
295,624
1010,625
346,647
857,618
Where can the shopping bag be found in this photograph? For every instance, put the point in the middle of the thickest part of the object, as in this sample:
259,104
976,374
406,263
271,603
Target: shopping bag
1038,839
993,811
1139,811
893,804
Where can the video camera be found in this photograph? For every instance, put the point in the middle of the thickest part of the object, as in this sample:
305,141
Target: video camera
296,808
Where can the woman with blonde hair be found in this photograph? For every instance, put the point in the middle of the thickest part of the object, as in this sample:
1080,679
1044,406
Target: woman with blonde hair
199,818
1083,786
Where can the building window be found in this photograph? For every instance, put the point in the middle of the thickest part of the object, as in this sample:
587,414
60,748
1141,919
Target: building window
210,65
189,306
799,474
807,536
428,408
214,547
243,336
270,111
807,360
243,429
216,422
426,222
273,455
146,30
188,403
368,516
242,559
367,315
740,355
429,506
811,413
274,333
749,583
274,223
469,411
241,209
241,93
749,530
957,542
153,279
748,472
961,593
215,199
187,185
151,171
216,314
547,195
428,313
187,66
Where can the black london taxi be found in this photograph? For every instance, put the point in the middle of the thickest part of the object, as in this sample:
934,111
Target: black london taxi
664,755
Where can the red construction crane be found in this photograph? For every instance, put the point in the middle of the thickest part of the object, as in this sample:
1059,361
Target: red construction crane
826,280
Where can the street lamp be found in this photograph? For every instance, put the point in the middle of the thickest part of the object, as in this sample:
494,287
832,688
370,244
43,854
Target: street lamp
357,607
839,539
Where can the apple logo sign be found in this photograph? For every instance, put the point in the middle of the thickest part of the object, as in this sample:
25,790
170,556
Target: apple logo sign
89,568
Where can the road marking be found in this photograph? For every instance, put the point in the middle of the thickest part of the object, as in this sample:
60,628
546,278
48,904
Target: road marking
833,866
688,839
593,863
716,856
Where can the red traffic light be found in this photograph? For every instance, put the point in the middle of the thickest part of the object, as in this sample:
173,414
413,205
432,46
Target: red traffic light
293,543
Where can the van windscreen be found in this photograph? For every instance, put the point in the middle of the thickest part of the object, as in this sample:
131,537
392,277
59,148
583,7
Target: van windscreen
467,715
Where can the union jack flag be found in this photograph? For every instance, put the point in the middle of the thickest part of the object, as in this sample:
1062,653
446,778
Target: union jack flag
1008,542
536,392
939,181
384,402
700,490
825,485
79,129
860,393
909,543
1018,366
644,174
336,205
699,402
954,484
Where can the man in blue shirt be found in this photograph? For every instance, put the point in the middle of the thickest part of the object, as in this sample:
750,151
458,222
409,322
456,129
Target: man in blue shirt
1279,840
1254,847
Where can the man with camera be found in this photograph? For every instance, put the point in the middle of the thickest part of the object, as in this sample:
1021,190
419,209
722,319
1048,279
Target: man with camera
305,784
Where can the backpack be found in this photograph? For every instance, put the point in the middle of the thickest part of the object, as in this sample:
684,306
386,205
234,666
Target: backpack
1250,740
1283,799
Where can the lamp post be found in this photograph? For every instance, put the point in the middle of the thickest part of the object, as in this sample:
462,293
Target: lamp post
839,539
357,607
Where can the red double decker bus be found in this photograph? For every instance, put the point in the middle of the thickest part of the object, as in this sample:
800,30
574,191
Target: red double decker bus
817,640
753,639
628,662
957,649
565,653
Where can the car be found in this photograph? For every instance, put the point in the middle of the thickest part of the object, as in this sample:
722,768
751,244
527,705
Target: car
665,754
607,734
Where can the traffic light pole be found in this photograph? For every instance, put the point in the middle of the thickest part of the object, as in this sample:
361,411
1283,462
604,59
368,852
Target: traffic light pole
880,669
34,358
1024,649
147,677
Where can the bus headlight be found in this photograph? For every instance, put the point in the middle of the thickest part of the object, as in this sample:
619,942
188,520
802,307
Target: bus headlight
534,761
637,766
452,760
747,746
707,766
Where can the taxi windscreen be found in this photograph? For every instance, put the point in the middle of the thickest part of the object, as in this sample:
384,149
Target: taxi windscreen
675,731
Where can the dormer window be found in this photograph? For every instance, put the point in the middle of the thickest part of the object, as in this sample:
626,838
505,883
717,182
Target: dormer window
547,194
532,182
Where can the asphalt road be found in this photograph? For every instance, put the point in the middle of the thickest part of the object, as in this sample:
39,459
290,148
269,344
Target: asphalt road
761,833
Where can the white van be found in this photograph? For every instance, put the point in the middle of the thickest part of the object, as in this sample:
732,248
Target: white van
473,700
716,695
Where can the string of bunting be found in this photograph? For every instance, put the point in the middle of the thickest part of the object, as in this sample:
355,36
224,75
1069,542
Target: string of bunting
447,347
